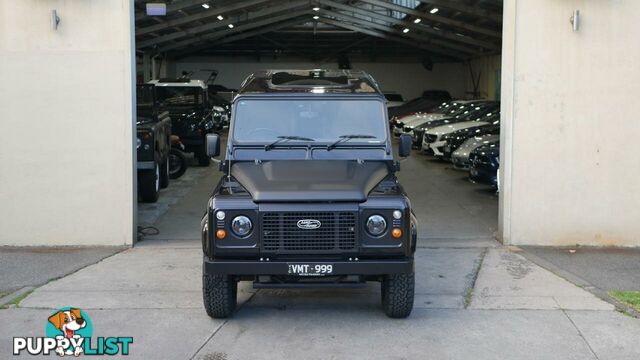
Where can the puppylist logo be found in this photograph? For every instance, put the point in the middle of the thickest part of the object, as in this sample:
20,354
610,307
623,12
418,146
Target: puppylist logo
69,331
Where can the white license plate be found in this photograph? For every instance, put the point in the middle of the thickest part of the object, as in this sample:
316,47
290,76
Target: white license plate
304,269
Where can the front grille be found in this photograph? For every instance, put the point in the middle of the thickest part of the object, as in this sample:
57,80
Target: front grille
281,234
430,138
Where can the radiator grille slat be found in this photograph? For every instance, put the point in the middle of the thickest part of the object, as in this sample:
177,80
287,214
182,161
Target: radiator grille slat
280,232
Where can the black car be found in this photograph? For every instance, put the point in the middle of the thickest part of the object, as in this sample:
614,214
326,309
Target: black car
484,163
153,130
457,138
310,196
193,115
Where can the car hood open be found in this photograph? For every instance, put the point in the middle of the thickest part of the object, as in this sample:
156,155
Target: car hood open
309,180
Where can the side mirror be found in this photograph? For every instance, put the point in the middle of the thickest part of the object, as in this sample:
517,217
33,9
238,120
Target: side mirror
213,145
404,148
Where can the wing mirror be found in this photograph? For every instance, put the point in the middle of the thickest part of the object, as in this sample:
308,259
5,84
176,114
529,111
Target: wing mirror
404,147
213,145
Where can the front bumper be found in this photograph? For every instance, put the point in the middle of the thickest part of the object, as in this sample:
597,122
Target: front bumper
281,267
438,147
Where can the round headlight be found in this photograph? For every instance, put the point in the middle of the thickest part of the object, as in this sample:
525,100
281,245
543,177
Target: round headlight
376,225
220,215
241,226
138,143
397,214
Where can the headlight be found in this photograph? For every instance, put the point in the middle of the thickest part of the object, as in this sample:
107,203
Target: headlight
138,143
376,225
218,108
241,226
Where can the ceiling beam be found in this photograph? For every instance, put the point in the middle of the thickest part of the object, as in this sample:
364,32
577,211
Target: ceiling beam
209,13
420,39
386,36
466,9
411,25
250,24
193,31
436,18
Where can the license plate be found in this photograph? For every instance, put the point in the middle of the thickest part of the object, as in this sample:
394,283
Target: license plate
304,269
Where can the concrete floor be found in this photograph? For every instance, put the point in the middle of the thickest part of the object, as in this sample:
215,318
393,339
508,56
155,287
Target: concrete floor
474,298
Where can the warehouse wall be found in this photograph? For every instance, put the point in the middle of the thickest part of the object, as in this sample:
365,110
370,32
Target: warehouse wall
66,118
409,77
570,131
485,80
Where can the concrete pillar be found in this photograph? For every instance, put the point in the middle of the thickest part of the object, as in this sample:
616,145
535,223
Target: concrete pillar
569,156
66,147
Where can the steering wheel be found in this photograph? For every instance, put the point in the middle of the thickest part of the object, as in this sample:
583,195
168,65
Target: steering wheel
262,130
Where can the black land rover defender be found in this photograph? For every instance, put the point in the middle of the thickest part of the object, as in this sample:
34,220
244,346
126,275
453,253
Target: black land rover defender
153,130
309,197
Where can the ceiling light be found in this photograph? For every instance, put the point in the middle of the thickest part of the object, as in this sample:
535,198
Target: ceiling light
461,35
315,8
230,26
205,5
434,10
417,21
316,17
220,17
405,30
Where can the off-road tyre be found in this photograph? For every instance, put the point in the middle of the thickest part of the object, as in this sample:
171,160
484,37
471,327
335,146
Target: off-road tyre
220,293
164,174
397,294
149,184
202,157
177,163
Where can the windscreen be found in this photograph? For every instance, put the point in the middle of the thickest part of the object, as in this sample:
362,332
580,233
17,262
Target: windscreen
322,120
179,95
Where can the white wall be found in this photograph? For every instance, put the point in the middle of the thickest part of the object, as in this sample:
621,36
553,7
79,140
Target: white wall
409,77
570,154
65,113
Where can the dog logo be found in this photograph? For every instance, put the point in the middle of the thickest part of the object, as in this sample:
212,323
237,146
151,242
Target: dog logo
69,331
309,224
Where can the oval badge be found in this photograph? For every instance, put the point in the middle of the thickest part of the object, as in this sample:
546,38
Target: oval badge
309,224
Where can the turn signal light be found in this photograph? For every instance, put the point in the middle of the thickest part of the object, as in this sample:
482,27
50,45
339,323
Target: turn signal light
396,233
221,234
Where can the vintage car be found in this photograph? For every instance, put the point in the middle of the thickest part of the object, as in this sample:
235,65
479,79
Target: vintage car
309,196
153,131
192,114
484,163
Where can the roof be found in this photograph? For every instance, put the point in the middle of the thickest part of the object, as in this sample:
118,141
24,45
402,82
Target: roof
179,83
310,81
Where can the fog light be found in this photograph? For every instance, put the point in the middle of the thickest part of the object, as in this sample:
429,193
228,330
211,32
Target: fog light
241,226
221,234
376,225
220,215
397,214
396,233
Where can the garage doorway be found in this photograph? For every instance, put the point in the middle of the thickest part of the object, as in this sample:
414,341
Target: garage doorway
410,47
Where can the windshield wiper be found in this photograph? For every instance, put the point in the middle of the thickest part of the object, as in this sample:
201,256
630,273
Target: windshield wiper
282,139
345,138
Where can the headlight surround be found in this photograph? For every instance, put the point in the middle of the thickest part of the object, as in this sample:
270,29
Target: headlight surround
376,225
241,226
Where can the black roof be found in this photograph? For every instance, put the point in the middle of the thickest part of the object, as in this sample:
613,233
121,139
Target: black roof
310,81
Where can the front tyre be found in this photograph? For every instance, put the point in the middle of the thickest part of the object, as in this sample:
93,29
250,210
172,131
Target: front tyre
220,294
202,157
397,294
149,182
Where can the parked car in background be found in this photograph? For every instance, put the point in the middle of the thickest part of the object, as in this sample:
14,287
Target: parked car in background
192,114
460,157
484,163
221,110
393,99
457,111
223,91
474,114
153,131
455,139
436,112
